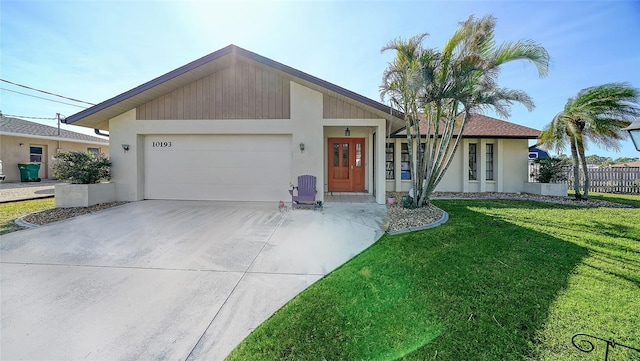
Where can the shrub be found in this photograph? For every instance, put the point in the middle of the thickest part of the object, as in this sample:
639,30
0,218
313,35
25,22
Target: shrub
550,170
81,167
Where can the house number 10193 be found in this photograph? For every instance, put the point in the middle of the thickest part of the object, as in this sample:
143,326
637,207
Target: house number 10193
161,144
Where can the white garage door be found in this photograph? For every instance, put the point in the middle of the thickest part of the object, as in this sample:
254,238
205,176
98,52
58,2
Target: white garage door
217,167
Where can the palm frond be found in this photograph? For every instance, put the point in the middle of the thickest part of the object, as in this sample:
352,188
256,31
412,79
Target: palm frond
523,50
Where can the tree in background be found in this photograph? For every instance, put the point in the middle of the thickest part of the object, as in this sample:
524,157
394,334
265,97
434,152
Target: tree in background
598,160
596,114
625,160
442,88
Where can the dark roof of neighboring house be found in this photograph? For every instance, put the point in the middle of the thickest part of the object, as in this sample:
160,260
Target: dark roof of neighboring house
542,153
482,126
136,96
27,128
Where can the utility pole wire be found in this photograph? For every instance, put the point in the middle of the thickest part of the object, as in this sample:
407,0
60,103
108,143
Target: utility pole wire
51,100
26,117
46,92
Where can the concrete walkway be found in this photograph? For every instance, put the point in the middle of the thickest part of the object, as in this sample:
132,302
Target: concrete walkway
177,280
12,192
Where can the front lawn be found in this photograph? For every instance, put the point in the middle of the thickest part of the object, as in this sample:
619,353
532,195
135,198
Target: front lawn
628,199
502,280
9,212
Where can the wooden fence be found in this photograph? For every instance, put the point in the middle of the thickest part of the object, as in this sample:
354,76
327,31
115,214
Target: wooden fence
605,180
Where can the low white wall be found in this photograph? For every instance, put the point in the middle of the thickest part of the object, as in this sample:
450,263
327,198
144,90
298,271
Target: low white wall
84,195
546,189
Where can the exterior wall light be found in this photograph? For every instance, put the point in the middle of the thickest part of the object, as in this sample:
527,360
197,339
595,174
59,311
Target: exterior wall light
125,147
347,132
301,147
634,132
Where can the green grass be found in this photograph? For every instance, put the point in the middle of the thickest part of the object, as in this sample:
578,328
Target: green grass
13,210
502,280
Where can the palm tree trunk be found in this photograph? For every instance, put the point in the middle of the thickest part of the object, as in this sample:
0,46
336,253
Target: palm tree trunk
585,171
576,169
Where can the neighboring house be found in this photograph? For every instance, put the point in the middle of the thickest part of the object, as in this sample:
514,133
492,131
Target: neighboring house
25,141
535,153
234,125
627,164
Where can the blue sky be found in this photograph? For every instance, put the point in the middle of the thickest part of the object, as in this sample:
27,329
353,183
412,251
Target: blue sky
94,50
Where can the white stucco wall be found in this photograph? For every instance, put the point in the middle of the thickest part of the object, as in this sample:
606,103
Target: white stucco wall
305,126
516,166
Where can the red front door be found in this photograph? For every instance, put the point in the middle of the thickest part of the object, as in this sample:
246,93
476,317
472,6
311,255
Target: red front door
346,164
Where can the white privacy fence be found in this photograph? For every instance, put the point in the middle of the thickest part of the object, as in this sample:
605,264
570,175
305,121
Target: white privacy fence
606,180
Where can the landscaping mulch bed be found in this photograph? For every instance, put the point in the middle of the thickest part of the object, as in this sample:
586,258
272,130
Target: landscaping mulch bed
59,214
399,218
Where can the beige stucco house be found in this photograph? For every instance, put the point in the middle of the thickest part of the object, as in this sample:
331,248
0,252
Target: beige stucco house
234,125
492,157
25,141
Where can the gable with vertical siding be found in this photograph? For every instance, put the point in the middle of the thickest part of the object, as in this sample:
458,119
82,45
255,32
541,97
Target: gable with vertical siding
242,90
334,108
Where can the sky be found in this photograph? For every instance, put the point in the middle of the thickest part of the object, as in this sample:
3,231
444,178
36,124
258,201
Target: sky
95,50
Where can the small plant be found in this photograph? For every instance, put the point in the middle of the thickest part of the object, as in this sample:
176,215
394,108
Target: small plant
550,170
407,202
81,167
391,198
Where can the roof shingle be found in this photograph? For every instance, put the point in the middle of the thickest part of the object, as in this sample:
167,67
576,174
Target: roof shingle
21,126
482,126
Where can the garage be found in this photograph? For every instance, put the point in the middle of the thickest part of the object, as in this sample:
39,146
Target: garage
217,167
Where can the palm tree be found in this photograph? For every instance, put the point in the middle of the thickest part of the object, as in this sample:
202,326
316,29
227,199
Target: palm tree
596,114
444,87
402,84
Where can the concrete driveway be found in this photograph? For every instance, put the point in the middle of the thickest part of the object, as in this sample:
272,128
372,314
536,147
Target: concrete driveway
175,280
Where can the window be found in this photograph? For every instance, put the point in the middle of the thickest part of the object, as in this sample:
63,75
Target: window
405,167
473,162
35,154
390,174
345,155
489,162
94,151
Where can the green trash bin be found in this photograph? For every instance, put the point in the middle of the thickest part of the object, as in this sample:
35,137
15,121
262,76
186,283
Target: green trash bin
29,172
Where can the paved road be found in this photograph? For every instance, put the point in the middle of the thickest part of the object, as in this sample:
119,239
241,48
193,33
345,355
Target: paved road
11,192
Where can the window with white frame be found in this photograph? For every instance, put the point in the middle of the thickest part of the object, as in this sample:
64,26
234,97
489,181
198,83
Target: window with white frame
390,166
94,151
405,164
489,162
35,153
473,161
